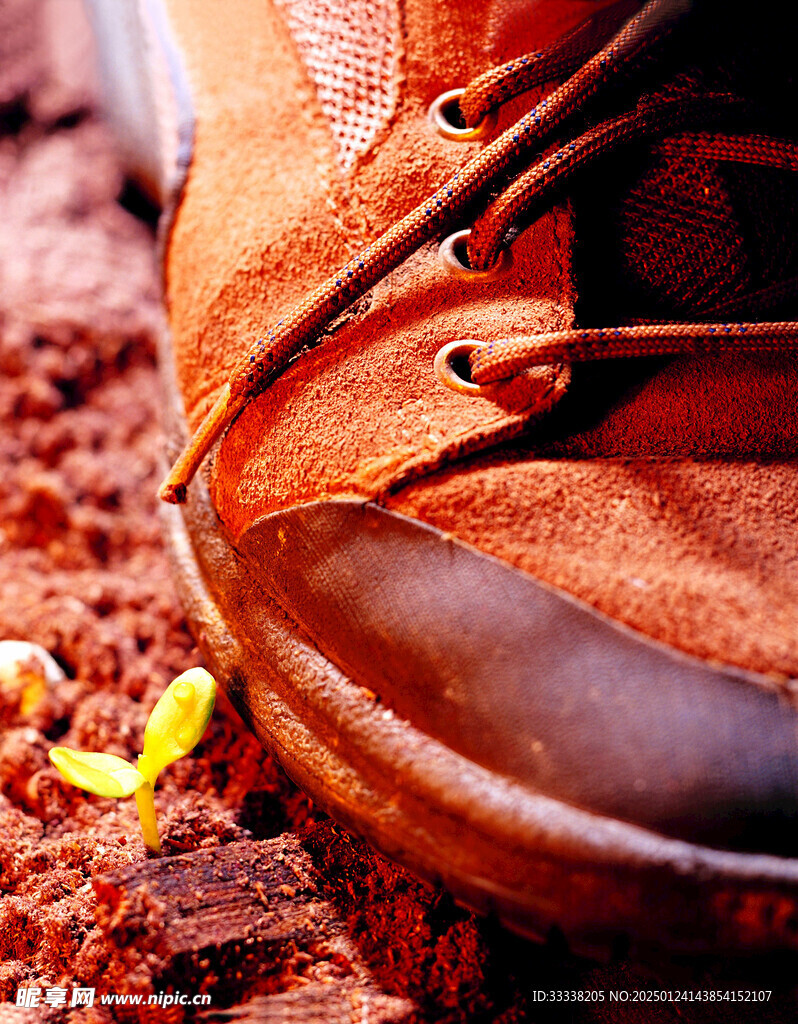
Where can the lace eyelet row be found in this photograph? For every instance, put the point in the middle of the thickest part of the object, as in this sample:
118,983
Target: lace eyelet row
451,361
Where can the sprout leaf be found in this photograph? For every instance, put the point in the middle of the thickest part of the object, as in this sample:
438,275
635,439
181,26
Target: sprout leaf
177,721
103,774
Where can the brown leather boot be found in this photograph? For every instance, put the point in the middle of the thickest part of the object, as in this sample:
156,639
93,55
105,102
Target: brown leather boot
495,541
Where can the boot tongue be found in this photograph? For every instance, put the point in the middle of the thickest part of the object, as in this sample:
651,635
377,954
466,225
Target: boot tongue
675,235
667,233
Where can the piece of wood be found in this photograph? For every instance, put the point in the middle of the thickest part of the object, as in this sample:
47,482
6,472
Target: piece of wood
246,924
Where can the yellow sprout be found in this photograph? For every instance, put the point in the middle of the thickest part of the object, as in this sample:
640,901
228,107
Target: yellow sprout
174,728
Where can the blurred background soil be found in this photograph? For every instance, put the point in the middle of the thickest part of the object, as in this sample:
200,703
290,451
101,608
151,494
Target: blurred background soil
83,573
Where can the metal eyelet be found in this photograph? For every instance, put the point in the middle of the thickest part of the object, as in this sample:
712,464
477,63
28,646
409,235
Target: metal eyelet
444,113
453,254
449,373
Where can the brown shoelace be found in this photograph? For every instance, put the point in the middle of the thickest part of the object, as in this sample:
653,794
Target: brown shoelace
697,121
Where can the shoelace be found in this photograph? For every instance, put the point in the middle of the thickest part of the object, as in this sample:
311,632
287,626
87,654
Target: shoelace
683,120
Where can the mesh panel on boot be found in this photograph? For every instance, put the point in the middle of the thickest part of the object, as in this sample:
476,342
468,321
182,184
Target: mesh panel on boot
349,48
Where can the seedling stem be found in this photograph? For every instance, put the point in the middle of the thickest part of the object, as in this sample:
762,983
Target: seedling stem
145,803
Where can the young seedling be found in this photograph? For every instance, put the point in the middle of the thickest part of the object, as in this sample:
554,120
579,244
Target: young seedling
174,728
